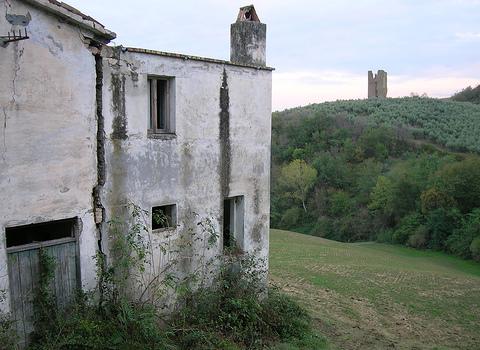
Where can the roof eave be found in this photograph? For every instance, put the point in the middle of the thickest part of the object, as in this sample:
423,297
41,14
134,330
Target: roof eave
195,58
88,24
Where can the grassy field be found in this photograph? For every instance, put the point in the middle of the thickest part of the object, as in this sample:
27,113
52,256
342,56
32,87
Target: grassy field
377,296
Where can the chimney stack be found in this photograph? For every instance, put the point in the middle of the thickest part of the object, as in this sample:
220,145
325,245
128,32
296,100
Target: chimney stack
248,38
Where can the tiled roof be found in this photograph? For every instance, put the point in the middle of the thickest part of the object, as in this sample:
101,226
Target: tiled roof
74,16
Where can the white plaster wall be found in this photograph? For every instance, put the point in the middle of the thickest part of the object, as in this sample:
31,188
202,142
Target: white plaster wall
47,132
185,169
250,125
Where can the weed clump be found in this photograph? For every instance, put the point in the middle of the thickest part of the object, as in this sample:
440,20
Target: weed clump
239,309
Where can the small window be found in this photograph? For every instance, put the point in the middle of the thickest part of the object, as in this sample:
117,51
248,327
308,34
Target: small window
233,217
161,105
164,217
37,233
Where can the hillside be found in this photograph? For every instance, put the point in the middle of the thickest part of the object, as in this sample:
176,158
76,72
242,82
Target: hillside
448,123
377,296
389,170
468,94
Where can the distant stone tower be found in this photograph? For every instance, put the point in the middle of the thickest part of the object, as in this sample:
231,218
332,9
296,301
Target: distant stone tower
377,86
248,38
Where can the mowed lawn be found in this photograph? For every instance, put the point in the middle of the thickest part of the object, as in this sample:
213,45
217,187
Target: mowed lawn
378,296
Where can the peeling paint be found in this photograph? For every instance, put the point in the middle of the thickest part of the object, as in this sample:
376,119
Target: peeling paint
18,20
56,44
16,63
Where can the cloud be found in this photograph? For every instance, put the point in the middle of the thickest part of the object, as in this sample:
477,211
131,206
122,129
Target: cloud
468,36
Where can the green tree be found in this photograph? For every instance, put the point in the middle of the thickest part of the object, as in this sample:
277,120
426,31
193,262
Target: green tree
382,196
461,181
298,178
434,199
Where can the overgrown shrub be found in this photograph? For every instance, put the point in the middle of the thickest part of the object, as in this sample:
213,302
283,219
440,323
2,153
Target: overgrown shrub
85,325
459,243
475,249
323,227
291,217
408,226
441,224
235,310
419,239
239,309
8,332
461,181
8,336
385,236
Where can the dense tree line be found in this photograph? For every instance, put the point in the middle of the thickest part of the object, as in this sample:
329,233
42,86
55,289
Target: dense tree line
468,94
342,177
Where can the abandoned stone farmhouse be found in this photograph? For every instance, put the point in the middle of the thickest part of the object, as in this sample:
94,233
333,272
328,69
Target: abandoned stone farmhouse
86,128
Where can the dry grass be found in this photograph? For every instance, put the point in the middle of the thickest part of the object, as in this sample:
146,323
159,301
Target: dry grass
376,296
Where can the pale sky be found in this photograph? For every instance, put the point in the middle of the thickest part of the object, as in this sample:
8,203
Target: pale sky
321,49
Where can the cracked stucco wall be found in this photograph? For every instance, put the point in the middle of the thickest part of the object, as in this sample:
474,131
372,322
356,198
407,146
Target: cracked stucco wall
47,132
221,146
48,147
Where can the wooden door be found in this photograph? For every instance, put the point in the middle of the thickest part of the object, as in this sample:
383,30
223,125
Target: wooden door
23,271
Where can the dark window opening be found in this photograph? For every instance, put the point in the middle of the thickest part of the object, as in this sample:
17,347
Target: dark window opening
233,217
164,217
36,233
160,105
227,227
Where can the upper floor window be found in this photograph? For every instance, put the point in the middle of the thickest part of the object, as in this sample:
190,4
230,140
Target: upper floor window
162,99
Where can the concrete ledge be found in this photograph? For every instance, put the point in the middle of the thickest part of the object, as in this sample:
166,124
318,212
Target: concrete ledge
194,58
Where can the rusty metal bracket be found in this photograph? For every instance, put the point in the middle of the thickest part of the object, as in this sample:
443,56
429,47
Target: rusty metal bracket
14,36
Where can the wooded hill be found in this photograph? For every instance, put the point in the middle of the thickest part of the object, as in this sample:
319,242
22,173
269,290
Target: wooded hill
400,170
468,94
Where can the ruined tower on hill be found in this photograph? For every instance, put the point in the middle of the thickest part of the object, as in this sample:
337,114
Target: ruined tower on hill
377,85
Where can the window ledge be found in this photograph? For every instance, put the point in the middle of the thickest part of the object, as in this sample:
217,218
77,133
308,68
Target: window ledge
161,135
165,229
